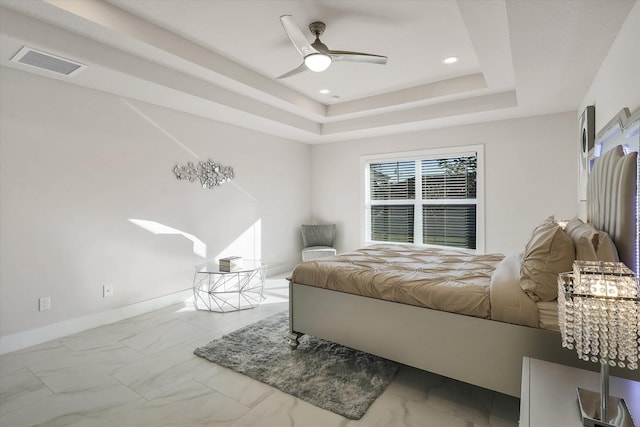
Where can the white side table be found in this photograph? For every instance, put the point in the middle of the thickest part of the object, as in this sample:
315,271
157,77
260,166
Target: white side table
224,291
548,394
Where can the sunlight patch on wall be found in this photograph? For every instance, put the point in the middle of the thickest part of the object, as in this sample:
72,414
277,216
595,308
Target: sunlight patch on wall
199,247
247,245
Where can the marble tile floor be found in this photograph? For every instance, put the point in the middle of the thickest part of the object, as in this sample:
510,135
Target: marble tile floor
142,372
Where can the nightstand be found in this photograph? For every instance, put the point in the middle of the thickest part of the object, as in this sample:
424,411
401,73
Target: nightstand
548,394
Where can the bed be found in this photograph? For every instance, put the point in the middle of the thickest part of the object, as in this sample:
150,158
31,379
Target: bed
483,348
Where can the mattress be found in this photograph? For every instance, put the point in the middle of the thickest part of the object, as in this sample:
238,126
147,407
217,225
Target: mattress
548,315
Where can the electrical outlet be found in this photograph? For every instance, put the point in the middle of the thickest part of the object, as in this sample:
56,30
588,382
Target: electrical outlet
45,303
107,290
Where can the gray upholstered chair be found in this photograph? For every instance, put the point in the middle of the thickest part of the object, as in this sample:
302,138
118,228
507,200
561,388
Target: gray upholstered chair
317,241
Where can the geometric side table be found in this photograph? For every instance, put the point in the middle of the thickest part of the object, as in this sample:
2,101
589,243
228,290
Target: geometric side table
224,291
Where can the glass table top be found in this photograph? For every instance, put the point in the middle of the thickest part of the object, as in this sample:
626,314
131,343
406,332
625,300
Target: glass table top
239,266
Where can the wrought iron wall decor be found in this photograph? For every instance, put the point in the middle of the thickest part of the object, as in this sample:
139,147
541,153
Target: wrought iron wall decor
209,173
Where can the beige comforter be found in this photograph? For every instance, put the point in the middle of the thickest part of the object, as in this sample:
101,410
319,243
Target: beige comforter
447,280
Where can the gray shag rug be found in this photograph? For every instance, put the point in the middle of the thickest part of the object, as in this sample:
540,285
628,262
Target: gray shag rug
327,375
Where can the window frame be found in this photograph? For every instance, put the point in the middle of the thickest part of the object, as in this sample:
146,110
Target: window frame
418,202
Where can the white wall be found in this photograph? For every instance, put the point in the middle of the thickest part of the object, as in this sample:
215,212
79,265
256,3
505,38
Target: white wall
77,164
617,83
530,172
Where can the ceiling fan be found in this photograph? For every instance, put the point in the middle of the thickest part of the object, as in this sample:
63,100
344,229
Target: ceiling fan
317,56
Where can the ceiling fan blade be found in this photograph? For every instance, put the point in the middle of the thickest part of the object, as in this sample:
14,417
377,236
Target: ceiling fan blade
296,36
345,55
300,69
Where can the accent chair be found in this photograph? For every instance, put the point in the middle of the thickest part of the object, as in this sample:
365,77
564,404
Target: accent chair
317,241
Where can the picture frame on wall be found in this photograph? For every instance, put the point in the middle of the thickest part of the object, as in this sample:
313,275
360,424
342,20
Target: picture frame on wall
586,138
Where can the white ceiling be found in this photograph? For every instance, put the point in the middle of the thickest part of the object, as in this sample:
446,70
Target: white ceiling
219,58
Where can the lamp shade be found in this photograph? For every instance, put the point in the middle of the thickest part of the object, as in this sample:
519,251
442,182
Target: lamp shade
599,313
317,61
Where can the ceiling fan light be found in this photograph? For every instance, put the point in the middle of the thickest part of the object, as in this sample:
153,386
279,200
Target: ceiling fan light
317,62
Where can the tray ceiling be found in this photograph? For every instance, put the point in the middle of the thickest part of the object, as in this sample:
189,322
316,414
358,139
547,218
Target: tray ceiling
219,59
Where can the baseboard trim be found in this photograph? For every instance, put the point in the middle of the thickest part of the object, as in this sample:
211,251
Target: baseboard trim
20,340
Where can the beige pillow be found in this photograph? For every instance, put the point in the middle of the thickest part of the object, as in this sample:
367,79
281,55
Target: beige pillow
585,239
572,225
548,252
585,250
606,250
591,244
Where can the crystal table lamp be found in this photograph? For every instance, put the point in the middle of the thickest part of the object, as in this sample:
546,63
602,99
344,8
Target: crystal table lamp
599,316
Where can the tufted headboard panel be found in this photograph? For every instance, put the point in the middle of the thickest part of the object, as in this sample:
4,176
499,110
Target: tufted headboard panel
611,201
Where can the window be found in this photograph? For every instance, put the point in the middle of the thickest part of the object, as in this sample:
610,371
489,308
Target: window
430,197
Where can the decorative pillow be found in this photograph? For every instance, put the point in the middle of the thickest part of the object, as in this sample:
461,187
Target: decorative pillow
606,250
572,225
585,250
585,239
591,244
318,235
548,252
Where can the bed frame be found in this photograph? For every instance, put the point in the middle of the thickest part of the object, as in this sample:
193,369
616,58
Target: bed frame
478,351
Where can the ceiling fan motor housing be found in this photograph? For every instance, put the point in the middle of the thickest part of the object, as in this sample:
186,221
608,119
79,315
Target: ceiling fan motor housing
317,28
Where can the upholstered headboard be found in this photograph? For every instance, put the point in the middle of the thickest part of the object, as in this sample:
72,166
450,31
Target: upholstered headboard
611,201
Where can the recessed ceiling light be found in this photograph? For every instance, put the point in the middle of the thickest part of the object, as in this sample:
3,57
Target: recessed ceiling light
324,91
450,60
